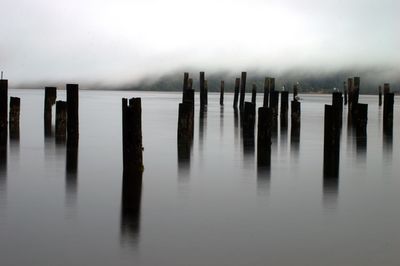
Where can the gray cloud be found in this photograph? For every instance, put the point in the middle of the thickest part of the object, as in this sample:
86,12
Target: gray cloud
119,42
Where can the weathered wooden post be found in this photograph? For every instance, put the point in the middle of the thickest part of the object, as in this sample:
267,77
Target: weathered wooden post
132,135
337,104
50,95
386,88
331,144
266,92
284,109
249,118
3,111
185,129
61,121
73,113
380,95
350,92
202,90
15,107
254,94
264,137
236,96
356,89
221,95
273,98
345,92
388,102
242,90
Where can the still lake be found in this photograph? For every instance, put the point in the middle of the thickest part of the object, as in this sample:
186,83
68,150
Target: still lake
216,209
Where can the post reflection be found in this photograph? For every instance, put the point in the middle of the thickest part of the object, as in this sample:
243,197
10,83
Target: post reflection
130,206
71,174
184,154
294,141
221,121
236,125
3,160
331,178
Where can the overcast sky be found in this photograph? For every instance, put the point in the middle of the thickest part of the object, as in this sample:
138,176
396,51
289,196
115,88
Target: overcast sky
121,41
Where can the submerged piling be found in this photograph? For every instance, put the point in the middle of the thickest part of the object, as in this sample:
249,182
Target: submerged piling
132,135
221,94
72,113
61,121
50,95
236,91
242,90
15,107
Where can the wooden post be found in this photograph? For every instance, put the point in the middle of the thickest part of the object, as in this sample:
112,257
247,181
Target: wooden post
15,107
61,121
356,90
331,144
266,92
72,113
206,92
284,108
380,95
337,104
345,92
361,126
236,96
242,90
202,90
273,98
388,102
264,137
295,91
350,92
254,94
132,135
3,109
221,95
295,122
50,95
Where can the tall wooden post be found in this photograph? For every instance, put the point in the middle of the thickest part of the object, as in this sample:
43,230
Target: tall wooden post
50,95
284,108
295,122
73,113
15,107
236,95
221,95
132,135
331,144
242,90
337,104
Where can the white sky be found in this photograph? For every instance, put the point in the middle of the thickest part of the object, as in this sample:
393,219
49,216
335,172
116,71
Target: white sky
120,41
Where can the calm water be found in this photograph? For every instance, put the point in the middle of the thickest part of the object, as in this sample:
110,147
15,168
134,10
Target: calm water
216,209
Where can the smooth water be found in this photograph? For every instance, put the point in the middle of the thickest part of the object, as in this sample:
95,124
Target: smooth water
216,209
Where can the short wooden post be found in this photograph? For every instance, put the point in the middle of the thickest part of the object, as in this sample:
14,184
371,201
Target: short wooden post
132,135
264,137
284,108
361,125
350,92
202,89
185,123
345,92
380,95
72,113
50,95
266,92
3,111
254,94
221,95
236,95
61,121
242,90
15,107
388,102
